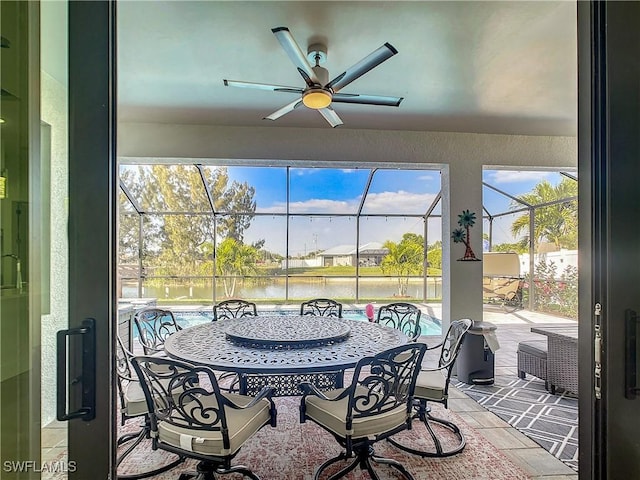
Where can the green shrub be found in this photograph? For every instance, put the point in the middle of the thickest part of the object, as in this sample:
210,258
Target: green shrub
553,293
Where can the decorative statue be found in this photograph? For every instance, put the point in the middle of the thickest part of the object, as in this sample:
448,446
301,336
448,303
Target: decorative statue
466,220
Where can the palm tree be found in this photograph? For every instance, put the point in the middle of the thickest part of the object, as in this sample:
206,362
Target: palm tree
556,223
233,260
404,259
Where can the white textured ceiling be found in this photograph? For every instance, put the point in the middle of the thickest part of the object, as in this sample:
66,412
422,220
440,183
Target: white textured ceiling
485,67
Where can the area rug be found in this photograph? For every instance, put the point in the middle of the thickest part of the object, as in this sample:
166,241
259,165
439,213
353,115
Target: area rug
549,420
292,451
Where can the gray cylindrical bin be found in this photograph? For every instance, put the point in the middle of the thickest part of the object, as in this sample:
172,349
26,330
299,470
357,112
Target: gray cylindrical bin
475,363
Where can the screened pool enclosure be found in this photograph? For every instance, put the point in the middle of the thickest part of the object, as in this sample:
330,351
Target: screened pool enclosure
192,233
201,233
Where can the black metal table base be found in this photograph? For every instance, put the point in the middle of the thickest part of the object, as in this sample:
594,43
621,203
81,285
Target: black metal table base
288,384
212,471
365,458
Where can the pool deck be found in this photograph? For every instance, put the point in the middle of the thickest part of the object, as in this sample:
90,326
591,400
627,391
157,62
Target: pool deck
492,313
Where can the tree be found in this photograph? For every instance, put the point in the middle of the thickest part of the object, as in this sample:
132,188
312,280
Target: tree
129,220
434,257
557,223
510,247
128,234
404,259
176,243
233,260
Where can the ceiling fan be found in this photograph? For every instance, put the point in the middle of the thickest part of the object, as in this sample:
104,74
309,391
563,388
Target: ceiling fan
319,92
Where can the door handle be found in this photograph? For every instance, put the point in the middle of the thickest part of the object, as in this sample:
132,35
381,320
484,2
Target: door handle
87,378
631,354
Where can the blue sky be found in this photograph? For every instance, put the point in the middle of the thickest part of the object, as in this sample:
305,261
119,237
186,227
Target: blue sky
514,183
325,191
316,190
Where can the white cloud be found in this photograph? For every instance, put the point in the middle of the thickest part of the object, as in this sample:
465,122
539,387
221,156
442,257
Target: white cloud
315,205
398,202
426,178
510,176
327,233
376,203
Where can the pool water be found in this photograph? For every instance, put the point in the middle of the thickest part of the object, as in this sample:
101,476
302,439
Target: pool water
430,326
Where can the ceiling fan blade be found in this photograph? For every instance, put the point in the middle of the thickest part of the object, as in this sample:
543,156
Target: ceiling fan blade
263,86
296,55
372,60
367,99
331,116
284,110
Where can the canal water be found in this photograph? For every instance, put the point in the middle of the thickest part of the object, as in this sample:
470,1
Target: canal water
298,288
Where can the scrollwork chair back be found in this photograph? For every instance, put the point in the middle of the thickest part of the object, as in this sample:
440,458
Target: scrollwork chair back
401,316
154,327
234,309
321,307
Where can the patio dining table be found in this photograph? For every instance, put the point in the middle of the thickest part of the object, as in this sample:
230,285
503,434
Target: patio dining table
282,350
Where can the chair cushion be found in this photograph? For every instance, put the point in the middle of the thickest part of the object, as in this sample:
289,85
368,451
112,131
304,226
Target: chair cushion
537,348
134,401
431,385
242,424
332,414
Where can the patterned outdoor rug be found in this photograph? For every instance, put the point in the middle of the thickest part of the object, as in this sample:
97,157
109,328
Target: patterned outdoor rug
292,451
549,420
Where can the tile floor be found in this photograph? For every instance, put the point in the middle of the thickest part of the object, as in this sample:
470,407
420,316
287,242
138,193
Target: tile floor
533,459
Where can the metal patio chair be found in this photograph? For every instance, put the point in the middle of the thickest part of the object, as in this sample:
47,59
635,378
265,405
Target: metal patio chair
377,404
432,385
190,416
154,326
401,316
133,405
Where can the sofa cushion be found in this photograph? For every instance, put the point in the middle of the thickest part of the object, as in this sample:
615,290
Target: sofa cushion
534,347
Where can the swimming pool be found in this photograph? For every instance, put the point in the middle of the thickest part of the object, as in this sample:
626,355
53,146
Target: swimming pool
429,325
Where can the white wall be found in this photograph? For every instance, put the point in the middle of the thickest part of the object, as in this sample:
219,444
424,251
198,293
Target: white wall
301,262
159,141
561,259
54,108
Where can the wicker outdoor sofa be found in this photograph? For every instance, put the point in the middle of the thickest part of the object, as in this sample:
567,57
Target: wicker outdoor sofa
532,360
560,367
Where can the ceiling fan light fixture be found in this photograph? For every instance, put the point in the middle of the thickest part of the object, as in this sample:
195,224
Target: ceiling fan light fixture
316,98
319,92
